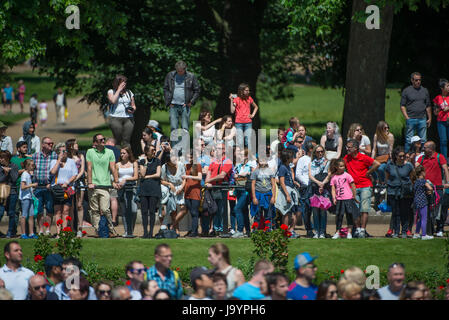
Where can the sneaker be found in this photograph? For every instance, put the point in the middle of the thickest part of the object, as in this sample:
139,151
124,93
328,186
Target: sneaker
427,237
336,235
47,233
294,235
24,236
32,236
404,236
232,231
416,236
440,234
315,236
382,191
389,233
395,236
376,190
237,234
309,234
362,234
349,235
79,234
123,236
322,236
8,235
409,233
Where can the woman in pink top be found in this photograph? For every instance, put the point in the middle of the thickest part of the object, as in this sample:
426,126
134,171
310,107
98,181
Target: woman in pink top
343,196
441,110
241,106
21,94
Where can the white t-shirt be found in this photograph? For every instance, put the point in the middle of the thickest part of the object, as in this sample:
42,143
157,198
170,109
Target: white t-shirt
302,170
364,142
60,99
118,110
27,193
64,174
16,282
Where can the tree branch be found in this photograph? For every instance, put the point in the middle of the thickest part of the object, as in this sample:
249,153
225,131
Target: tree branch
211,16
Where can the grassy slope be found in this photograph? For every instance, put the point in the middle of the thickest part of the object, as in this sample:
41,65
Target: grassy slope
336,254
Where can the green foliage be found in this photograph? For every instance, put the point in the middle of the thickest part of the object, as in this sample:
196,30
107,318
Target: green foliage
68,245
42,248
272,246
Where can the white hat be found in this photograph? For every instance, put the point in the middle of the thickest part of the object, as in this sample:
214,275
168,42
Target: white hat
153,123
415,139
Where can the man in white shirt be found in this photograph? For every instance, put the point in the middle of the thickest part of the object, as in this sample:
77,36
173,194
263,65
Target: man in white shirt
13,274
60,105
302,176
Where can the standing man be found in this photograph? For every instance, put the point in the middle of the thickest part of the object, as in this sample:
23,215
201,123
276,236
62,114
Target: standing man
303,288
360,167
9,173
219,173
396,277
13,274
161,273
42,161
435,165
417,110
60,106
100,166
181,91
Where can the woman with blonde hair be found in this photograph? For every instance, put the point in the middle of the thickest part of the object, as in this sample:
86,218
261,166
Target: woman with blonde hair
382,149
356,132
219,258
332,141
355,274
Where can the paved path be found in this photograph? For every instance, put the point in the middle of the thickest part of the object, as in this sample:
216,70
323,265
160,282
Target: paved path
82,118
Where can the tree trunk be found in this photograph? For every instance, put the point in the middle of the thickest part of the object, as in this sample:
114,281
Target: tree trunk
141,117
366,71
240,25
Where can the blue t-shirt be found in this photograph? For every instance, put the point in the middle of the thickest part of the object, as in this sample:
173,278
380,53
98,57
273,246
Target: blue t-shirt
248,292
287,174
8,92
297,292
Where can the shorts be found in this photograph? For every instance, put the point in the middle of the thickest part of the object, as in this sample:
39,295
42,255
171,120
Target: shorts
349,207
27,208
363,195
65,202
45,197
113,193
8,101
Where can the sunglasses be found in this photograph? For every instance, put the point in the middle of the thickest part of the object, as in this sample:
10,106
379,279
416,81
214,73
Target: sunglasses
386,127
39,287
138,271
103,292
416,80
49,143
332,293
358,130
101,140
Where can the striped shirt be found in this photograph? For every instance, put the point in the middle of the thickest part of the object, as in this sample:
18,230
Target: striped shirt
169,283
42,171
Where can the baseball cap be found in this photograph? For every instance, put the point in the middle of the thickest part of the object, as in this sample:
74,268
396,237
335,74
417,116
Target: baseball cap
153,123
415,139
302,259
54,260
2,125
197,272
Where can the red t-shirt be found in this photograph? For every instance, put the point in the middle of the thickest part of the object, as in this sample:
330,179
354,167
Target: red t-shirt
433,169
216,167
441,102
192,188
358,167
243,110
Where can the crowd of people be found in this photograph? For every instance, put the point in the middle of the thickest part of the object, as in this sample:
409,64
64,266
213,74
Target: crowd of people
293,179
221,282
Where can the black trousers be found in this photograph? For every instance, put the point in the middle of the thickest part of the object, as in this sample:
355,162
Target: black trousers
400,213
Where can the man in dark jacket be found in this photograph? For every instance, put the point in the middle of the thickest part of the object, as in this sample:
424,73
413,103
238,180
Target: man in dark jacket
181,91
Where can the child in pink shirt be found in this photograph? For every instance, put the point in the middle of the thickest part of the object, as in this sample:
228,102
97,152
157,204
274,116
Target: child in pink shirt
343,196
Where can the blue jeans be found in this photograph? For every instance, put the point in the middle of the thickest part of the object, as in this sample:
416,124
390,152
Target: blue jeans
379,174
45,197
232,213
179,111
193,205
128,207
241,210
319,220
221,217
244,130
443,132
10,207
411,125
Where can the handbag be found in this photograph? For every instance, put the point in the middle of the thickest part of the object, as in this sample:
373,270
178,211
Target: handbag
406,188
383,158
5,191
58,192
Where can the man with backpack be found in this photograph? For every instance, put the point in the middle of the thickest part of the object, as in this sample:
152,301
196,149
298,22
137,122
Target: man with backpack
436,166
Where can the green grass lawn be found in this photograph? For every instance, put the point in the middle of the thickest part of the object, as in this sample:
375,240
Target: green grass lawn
333,255
313,106
11,118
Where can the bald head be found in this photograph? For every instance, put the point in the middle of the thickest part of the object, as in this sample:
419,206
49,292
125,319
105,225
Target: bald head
37,287
121,293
